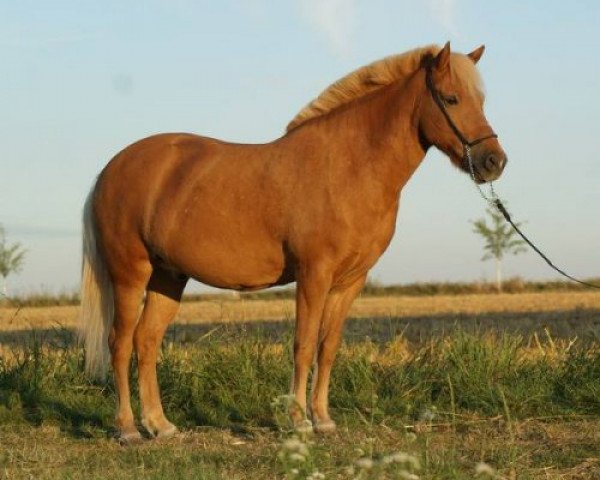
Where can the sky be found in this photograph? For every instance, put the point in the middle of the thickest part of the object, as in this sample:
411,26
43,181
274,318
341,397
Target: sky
81,80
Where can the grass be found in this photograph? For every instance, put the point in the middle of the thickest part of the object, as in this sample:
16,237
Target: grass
372,289
565,314
526,407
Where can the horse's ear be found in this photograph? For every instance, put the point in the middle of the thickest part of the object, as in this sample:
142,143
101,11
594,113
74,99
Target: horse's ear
476,54
442,60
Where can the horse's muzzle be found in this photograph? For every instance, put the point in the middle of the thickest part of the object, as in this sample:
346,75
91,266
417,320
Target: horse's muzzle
488,165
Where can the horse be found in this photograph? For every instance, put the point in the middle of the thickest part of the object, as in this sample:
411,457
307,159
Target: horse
317,206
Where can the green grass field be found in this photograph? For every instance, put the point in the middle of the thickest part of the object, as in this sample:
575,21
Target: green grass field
439,409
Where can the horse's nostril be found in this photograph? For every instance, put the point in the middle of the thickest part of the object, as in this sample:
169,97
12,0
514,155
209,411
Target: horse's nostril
491,162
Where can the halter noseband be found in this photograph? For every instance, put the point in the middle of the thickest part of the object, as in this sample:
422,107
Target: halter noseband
493,200
437,97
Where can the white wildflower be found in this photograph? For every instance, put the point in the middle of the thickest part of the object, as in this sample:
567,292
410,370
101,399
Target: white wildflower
295,445
401,457
316,475
296,457
291,444
484,469
407,475
283,401
428,415
365,463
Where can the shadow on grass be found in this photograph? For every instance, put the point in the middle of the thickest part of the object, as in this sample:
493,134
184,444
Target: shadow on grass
581,323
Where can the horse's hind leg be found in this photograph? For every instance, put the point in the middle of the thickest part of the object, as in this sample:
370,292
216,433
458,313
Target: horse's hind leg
127,305
162,302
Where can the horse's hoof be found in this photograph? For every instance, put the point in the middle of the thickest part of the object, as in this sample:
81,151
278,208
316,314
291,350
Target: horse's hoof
130,438
304,427
168,432
326,426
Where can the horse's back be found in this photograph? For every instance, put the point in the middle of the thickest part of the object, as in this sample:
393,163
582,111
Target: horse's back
133,181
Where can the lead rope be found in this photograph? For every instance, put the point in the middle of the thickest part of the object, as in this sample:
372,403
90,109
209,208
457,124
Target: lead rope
494,201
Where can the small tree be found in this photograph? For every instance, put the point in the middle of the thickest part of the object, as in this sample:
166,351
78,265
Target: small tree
499,241
12,258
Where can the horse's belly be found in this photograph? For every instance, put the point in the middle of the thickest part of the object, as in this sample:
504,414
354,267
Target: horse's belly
235,265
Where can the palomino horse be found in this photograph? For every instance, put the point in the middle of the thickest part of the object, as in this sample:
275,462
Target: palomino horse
317,206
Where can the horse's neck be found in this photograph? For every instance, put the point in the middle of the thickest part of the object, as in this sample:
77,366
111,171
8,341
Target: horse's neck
394,130
379,135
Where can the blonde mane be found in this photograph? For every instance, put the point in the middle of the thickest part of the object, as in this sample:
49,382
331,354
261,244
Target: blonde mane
363,81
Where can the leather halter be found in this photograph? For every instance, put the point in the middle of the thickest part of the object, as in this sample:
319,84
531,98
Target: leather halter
493,200
437,97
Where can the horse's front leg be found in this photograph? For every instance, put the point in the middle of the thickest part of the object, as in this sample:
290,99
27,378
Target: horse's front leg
313,284
337,304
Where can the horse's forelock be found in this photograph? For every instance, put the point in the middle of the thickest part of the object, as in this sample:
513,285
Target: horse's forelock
464,68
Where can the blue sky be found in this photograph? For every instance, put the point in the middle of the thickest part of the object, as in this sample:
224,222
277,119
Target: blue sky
80,80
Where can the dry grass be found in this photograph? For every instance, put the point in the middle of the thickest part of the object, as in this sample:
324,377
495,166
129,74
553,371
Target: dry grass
542,450
242,310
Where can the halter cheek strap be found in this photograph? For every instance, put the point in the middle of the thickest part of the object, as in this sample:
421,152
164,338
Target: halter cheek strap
437,97
466,144
493,199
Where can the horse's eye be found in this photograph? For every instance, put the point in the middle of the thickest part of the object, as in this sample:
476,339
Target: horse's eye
450,99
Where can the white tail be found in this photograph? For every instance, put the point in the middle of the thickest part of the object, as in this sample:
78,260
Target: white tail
97,299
